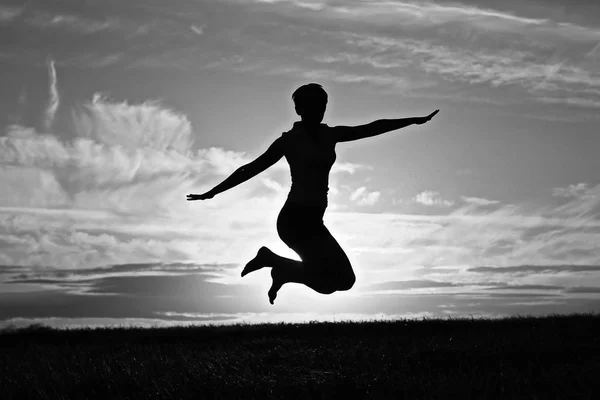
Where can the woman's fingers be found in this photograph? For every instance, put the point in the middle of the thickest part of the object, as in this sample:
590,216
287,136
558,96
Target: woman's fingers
422,120
191,197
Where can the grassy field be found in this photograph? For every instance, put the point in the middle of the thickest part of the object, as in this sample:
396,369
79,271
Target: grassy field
554,357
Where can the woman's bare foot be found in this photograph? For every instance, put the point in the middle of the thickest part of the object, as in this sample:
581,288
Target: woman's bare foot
278,281
257,262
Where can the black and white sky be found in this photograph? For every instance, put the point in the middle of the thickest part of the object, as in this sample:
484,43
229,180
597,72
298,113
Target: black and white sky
112,111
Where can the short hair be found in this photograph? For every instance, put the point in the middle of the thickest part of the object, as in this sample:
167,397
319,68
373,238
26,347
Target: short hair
308,94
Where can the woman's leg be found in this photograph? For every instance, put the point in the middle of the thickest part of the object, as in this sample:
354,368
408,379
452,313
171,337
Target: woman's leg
325,261
285,270
325,268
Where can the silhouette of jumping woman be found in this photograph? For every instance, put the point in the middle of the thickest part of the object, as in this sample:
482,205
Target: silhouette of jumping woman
309,148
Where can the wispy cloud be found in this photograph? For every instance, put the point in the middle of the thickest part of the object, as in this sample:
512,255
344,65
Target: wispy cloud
479,201
197,29
496,67
415,15
594,52
438,44
579,190
7,14
94,59
71,22
43,19
411,48
536,269
363,197
54,100
412,284
573,101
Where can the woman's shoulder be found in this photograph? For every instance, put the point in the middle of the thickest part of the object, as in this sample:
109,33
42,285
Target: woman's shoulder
295,128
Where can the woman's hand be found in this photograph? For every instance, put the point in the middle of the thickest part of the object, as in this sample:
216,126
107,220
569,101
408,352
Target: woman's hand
422,120
207,195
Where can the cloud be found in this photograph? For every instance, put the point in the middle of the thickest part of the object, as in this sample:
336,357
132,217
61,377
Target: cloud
593,53
350,168
7,14
506,238
415,16
92,59
526,287
496,67
197,29
71,22
54,101
120,184
412,284
479,201
115,193
572,101
363,197
21,103
584,201
431,198
91,280
145,125
274,185
537,269
412,49
119,147
415,13
384,82
579,190
584,290
425,49
465,172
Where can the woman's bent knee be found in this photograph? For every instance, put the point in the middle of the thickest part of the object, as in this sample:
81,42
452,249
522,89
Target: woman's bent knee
320,285
347,283
329,286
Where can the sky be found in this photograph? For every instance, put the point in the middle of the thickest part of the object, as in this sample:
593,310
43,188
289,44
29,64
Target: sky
111,112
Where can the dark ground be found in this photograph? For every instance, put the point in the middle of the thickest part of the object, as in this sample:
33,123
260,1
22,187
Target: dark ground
555,357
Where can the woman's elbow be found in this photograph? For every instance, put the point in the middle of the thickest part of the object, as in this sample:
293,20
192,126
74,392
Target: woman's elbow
247,171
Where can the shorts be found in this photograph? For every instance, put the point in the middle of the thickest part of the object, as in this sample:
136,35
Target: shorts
296,223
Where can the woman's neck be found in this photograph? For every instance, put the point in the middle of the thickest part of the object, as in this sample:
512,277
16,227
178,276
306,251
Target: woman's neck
309,126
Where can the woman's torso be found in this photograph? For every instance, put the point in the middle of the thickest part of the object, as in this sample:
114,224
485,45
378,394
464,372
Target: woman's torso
310,156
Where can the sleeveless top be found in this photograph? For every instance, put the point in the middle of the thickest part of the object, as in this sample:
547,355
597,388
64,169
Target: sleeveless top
310,156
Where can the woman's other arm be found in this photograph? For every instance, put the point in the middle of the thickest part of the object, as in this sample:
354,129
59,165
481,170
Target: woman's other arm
349,133
245,172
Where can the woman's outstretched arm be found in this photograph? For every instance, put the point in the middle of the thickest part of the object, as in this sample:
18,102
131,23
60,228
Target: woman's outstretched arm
245,172
349,133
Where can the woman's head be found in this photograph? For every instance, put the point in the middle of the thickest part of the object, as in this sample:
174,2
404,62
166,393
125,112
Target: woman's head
310,101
